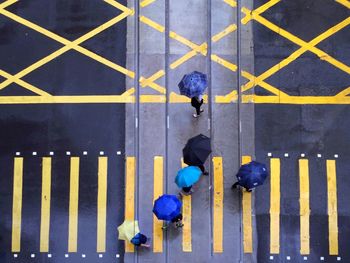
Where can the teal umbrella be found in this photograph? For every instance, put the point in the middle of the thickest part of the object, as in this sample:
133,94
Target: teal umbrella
188,176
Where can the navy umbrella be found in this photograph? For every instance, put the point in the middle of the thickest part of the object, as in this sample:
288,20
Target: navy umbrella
252,174
197,150
166,207
193,84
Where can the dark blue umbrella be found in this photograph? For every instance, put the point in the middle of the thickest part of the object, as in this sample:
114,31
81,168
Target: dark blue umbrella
166,207
252,175
193,84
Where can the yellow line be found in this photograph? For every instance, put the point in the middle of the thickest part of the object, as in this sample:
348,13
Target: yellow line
183,59
187,220
45,205
344,92
119,6
332,207
275,206
66,99
304,207
102,204
251,14
152,24
145,3
231,28
24,84
218,216
247,215
157,191
73,205
224,62
17,204
150,81
232,3
345,3
7,3
130,195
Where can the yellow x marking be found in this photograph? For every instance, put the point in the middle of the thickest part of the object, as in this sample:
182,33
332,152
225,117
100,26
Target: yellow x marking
67,46
304,46
345,3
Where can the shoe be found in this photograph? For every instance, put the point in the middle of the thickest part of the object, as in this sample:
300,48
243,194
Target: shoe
205,173
195,115
201,110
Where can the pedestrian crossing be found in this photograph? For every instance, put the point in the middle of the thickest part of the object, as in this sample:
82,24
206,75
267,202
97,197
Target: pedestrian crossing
48,170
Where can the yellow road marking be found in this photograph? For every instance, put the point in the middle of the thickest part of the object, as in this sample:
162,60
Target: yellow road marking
157,191
68,45
24,84
231,28
275,206
232,3
224,62
152,24
187,220
73,205
218,216
304,206
299,100
145,3
344,93
7,3
150,81
120,6
345,3
228,98
332,207
102,204
247,215
251,14
45,205
17,204
130,195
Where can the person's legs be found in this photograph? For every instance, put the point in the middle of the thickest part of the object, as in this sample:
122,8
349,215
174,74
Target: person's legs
234,185
203,169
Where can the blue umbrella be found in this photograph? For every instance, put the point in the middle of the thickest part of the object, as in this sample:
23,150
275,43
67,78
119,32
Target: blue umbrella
166,207
252,175
188,176
193,84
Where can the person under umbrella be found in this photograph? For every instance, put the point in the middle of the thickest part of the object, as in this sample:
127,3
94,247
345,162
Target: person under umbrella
186,177
168,208
251,175
129,231
196,151
193,86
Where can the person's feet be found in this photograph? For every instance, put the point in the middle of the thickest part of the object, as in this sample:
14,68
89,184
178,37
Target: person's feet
195,115
183,193
206,173
201,110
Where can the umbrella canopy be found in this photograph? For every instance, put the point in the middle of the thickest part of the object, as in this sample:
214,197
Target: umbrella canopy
252,174
128,230
193,84
188,176
197,150
166,207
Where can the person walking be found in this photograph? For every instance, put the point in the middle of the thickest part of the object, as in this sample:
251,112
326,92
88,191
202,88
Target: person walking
251,175
168,208
140,240
176,221
186,178
196,103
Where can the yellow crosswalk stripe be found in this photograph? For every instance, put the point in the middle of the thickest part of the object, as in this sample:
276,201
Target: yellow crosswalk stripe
45,205
275,206
247,215
187,220
218,203
157,191
17,204
332,207
73,205
130,195
304,207
101,204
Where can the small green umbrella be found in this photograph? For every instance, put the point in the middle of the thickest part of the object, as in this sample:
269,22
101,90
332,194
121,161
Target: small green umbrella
128,230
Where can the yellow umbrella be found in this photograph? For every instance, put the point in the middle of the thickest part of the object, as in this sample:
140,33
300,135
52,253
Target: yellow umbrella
128,230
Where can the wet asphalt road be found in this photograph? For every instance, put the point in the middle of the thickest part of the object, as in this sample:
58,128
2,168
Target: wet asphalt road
308,129
73,128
